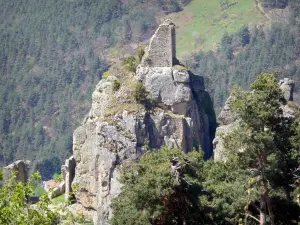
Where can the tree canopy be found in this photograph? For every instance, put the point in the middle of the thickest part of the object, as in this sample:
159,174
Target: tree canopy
162,188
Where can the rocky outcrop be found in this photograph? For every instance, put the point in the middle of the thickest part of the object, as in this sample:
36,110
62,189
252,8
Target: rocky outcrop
21,168
287,86
227,121
118,130
68,172
226,124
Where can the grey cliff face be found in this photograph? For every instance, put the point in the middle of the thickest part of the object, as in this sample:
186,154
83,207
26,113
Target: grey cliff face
116,130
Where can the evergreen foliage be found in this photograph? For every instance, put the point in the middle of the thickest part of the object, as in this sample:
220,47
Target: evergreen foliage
262,142
154,192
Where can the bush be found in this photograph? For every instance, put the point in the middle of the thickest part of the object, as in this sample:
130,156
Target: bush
105,75
139,93
161,194
130,63
141,96
16,209
116,85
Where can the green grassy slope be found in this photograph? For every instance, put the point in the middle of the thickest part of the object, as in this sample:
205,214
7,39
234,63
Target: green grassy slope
202,23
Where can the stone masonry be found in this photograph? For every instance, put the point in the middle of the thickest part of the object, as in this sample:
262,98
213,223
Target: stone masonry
162,49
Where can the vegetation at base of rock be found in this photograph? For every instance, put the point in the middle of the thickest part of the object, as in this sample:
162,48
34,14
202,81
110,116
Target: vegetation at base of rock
225,185
259,179
164,194
262,142
15,208
141,96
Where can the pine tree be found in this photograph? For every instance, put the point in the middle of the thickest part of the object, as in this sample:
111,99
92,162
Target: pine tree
262,146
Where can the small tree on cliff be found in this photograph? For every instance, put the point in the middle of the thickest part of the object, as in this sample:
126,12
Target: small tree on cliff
262,146
163,188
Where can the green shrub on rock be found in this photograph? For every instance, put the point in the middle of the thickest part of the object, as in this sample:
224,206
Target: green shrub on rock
130,63
105,75
116,85
163,188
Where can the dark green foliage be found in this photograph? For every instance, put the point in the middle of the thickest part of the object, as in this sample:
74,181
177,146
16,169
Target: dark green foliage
116,85
262,143
225,191
142,97
152,194
139,92
244,35
275,4
48,166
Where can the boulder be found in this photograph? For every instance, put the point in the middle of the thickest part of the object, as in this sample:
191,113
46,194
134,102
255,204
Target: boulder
287,86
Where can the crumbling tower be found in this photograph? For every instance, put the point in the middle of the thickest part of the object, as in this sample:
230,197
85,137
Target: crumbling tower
161,51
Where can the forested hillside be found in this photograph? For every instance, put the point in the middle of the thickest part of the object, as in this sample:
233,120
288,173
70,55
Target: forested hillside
241,57
52,53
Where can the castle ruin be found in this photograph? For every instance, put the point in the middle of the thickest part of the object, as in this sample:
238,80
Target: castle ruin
161,51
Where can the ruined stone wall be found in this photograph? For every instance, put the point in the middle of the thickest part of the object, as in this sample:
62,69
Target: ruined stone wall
162,49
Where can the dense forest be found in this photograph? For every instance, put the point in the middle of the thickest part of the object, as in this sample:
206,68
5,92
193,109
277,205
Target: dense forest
51,56
241,57
53,53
